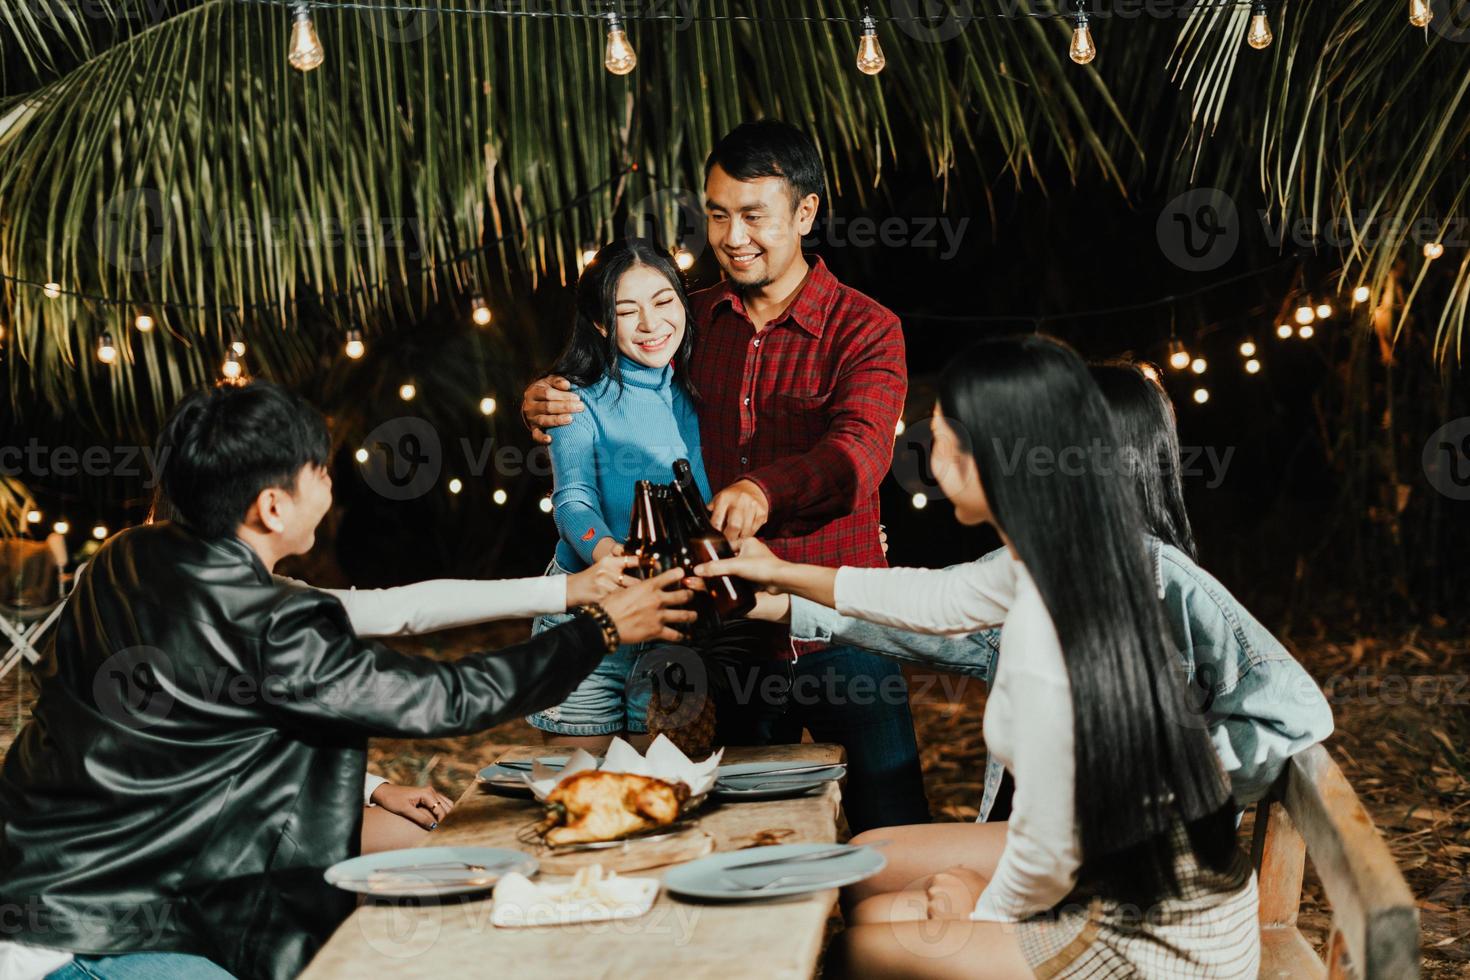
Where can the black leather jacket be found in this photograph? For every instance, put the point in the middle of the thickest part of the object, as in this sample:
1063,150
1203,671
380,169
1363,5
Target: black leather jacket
197,752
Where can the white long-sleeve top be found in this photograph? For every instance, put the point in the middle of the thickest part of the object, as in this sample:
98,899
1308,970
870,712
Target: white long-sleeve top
1028,712
442,604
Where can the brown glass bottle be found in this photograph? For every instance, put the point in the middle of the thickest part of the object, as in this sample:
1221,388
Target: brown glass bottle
638,527
670,509
733,598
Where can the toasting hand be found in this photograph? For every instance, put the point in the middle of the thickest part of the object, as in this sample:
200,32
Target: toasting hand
753,562
740,510
648,610
600,580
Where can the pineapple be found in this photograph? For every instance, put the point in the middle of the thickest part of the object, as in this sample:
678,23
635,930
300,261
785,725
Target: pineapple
681,704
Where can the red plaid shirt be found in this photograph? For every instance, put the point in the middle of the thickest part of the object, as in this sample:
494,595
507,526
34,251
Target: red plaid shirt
806,410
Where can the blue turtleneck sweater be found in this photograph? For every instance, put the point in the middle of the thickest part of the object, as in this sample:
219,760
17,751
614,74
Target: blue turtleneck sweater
625,434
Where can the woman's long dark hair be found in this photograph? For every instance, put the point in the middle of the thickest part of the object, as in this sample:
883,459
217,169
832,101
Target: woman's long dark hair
1145,419
592,355
1143,761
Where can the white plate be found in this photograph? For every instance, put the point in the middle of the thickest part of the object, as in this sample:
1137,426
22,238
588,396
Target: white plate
764,785
379,874
707,877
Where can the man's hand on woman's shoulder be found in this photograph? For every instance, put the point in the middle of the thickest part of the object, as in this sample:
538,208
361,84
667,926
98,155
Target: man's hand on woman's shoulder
548,403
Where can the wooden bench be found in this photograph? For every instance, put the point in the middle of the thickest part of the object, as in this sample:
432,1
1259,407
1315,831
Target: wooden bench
1313,812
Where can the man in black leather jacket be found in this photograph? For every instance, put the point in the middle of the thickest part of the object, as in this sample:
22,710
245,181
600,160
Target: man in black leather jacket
197,751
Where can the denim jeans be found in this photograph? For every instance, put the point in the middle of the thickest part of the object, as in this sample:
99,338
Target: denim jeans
140,966
847,696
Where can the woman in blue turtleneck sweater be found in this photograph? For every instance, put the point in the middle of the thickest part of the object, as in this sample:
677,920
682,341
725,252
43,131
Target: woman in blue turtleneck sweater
628,359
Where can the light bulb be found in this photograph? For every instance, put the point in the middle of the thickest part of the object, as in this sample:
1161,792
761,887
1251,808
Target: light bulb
61,526
588,254
1178,356
1248,348
1420,13
306,47
1284,331
480,311
33,516
1259,35
500,497
1201,395
898,429
870,59
106,352
545,505
99,531
361,455
1199,365
1433,250
1253,366
1083,50
51,290
1361,294
231,368
684,259
1150,372
456,485
620,58
237,347
143,322
1324,311
1306,331
407,391
487,406
919,501
354,347
1305,314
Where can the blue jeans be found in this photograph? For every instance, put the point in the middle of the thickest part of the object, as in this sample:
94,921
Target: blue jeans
847,696
140,966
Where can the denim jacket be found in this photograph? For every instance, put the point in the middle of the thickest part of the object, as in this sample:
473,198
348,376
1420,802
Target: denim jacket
1260,705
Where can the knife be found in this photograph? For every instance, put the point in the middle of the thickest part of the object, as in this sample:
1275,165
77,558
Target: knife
830,852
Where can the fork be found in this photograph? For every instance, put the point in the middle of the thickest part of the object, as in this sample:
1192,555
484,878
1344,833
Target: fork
730,882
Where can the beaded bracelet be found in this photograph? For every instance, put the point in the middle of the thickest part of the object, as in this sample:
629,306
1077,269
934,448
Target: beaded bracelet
604,622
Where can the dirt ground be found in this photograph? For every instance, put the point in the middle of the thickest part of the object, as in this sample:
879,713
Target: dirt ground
1402,708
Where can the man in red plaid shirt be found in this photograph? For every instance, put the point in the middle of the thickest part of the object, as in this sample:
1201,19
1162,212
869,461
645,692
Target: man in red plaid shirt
802,382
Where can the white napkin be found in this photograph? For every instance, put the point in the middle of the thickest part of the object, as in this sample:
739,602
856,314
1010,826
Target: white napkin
522,902
664,761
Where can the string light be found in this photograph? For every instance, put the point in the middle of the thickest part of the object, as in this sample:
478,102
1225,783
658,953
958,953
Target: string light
361,455
1306,331
870,59
1082,50
51,290
1199,365
306,47
407,391
62,526
1201,395
1433,250
588,254
237,347
99,531
1150,372
143,322
545,505
1305,314
1361,294
231,369
620,58
1324,311
487,406
683,258
106,351
1259,35
33,516
898,428
1420,13
1248,348
919,500
1284,331
354,348
480,311
1253,366
500,497
456,485
1178,356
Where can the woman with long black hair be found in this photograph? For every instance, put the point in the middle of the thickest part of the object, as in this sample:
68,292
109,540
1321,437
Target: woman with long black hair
1120,856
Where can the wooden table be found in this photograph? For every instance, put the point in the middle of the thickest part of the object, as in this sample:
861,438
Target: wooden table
679,938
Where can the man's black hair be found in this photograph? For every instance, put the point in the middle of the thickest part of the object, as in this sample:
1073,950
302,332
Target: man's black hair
771,148
222,446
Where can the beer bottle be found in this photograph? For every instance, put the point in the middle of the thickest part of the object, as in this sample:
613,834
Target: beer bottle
671,510
734,598
642,540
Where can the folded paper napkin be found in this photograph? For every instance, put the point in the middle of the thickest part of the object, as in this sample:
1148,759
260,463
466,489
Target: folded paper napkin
590,897
664,761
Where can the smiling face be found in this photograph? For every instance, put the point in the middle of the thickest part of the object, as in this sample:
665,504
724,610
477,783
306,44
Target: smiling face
754,230
650,317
